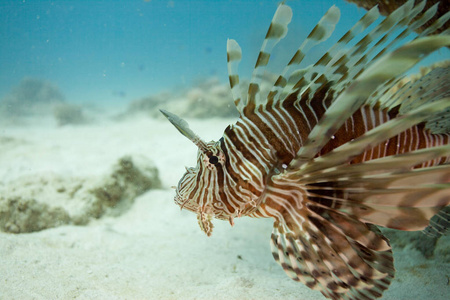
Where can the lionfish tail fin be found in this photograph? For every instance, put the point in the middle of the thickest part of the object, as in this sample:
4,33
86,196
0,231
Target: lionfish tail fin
335,254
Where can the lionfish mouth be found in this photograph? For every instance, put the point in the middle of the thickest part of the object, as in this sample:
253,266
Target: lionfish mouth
185,203
180,201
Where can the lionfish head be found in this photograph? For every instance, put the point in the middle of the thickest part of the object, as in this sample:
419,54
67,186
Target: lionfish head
199,190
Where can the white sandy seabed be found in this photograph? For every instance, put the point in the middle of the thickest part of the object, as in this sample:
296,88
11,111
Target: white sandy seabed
154,250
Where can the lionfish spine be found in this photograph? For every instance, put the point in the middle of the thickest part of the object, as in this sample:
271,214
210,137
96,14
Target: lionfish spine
234,56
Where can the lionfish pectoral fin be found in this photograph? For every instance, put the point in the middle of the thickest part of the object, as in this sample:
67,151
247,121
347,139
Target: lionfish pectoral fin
291,73
334,253
439,224
385,191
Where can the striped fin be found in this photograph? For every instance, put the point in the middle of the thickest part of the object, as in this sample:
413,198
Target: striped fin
339,64
386,29
383,89
428,89
416,22
338,255
234,56
343,67
411,92
364,51
439,23
320,33
404,200
389,66
439,224
426,17
327,241
383,165
374,137
277,31
330,58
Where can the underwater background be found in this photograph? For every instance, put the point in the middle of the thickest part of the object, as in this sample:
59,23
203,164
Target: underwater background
116,51
81,83
105,50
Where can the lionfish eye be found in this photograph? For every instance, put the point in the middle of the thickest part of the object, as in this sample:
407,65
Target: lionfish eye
213,159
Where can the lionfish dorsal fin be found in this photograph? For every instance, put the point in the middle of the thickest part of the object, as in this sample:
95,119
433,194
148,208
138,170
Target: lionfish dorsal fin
277,31
183,128
341,66
320,33
234,56
386,68
437,24
373,45
321,165
334,58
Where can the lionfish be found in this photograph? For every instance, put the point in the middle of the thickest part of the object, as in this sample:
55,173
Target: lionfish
332,150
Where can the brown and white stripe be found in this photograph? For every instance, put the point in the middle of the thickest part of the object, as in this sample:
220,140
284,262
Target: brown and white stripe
332,152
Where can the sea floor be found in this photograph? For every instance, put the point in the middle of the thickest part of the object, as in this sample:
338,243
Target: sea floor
153,250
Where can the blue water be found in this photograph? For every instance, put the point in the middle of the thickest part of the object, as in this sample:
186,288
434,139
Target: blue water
116,51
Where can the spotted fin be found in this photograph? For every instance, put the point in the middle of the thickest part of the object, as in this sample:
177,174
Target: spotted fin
429,88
